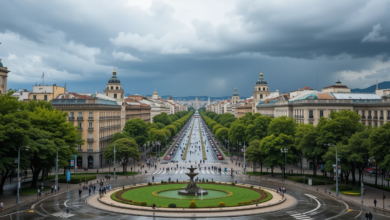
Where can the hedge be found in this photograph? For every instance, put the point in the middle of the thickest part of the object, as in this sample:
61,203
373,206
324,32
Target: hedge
78,179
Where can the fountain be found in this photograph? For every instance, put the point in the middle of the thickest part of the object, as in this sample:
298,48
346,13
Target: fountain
192,188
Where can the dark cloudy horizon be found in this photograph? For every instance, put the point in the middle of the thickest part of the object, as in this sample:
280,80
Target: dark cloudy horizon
195,48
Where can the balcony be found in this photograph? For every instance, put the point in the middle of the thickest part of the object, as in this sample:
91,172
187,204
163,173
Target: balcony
80,118
311,117
71,118
90,140
381,117
80,128
90,128
90,118
375,117
89,149
363,117
369,117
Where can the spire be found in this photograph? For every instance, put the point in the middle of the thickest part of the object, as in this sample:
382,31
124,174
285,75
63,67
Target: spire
114,73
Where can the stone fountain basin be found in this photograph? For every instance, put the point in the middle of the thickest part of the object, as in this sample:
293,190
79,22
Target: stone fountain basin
192,193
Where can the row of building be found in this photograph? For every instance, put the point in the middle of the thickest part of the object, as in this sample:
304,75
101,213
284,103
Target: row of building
98,116
307,105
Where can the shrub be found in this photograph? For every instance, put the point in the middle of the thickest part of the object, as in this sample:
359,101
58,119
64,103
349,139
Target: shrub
221,204
233,184
207,180
192,204
203,180
143,203
172,205
149,183
162,181
252,186
77,179
345,188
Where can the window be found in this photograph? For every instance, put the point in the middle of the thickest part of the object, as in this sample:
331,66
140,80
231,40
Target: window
363,113
115,96
79,147
375,113
261,96
364,123
35,97
2,80
90,135
72,114
80,125
45,97
90,124
112,87
90,115
381,113
107,88
263,88
89,146
369,123
357,112
311,114
80,114
117,88
376,124
369,113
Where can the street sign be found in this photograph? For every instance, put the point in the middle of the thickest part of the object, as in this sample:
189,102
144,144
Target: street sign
71,163
68,176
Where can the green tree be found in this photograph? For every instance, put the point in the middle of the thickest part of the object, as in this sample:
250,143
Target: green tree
159,125
14,132
237,132
359,144
125,150
167,132
254,154
380,147
50,131
222,133
162,118
282,125
137,129
216,127
343,152
173,129
271,145
120,135
158,135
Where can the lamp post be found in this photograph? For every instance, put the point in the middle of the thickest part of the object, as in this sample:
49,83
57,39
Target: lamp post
244,159
18,186
228,146
285,151
114,160
337,170
56,182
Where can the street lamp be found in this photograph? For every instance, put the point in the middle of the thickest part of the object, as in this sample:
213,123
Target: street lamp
337,170
18,186
285,151
244,158
114,160
56,181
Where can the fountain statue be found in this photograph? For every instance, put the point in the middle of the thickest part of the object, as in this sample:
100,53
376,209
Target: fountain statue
192,188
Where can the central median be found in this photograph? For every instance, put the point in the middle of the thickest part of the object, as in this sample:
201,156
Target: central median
188,143
201,141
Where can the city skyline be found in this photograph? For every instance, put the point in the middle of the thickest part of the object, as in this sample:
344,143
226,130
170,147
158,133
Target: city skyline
181,52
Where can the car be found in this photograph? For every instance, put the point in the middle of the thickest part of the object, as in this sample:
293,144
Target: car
219,154
368,169
168,157
220,158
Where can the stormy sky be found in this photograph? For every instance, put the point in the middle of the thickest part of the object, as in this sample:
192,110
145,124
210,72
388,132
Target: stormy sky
195,47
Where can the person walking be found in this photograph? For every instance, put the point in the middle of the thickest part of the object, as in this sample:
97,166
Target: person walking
89,190
52,188
1,206
367,215
39,193
375,202
80,191
370,216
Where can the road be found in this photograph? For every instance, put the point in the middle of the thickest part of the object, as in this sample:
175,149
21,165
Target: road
311,205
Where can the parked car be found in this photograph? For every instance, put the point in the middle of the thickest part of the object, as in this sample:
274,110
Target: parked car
220,158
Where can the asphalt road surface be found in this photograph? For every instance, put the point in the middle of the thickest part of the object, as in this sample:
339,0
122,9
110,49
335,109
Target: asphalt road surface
311,205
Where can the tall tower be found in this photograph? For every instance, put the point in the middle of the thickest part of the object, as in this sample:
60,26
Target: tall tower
208,101
114,88
235,97
261,91
3,78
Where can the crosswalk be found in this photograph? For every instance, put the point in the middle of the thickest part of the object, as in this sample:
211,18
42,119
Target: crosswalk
165,172
63,215
297,215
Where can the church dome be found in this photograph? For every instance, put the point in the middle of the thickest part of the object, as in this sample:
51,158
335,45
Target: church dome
1,65
261,80
114,79
155,93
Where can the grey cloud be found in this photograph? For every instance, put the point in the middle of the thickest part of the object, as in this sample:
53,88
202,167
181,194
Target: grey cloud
380,74
375,35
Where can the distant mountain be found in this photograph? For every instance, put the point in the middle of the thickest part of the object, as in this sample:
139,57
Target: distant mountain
371,89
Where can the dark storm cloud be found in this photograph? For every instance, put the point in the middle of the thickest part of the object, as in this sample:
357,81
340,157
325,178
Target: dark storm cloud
293,42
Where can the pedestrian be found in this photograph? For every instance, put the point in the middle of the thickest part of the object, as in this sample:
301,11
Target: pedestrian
370,216
367,215
52,188
153,178
97,171
375,202
1,206
325,191
80,191
89,191
39,192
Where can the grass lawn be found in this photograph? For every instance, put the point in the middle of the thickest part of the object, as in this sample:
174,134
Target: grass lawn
144,194
32,191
